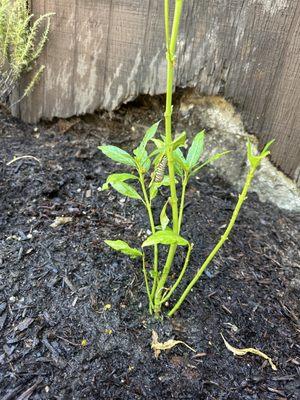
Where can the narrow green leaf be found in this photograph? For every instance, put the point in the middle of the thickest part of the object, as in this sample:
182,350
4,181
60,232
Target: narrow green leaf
143,159
196,150
165,237
117,154
180,162
164,220
150,133
209,161
166,181
124,248
266,148
255,160
158,143
126,190
179,140
153,191
117,178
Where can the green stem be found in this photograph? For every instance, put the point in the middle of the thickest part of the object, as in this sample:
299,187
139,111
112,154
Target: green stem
168,113
224,237
152,225
167,29
181,275
181,208
171,47
151,306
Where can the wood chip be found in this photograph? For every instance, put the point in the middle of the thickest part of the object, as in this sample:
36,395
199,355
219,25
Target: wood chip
24,324
61,221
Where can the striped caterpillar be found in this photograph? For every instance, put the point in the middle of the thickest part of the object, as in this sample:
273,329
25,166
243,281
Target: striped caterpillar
160,170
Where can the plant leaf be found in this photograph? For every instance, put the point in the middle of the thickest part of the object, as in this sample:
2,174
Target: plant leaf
180,162
158,347
124,248
210,160
164,220
255,160
179,140
142,158
153,191
158,143
242,352
150,133
117,178
165,237
117,154
266,148
126,190
196,150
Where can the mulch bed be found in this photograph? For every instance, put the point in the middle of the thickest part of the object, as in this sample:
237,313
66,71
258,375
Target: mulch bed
56,282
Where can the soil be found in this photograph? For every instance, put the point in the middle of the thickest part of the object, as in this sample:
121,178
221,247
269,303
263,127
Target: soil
61,340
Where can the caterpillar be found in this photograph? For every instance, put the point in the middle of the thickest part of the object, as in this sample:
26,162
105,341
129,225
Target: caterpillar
160,170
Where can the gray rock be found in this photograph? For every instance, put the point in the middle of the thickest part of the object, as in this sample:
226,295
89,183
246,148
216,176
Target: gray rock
225,131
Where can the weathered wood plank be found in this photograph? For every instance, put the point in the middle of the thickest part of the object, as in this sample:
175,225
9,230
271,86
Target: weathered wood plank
105,52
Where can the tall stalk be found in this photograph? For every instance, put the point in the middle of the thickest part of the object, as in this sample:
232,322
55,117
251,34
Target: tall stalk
170,55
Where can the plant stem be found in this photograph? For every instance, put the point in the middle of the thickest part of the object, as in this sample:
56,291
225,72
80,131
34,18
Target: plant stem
152,225
167,29
181,275
151,306
168,113
224,237
171,46
181,208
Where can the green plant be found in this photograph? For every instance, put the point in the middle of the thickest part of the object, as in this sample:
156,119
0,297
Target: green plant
21,43
168,150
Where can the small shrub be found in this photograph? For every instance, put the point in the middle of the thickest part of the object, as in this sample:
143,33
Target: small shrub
148,170
21,43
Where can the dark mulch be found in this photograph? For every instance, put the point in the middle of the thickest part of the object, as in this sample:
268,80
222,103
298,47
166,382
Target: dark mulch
55,282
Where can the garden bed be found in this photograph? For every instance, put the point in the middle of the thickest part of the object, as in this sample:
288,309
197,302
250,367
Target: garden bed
56,282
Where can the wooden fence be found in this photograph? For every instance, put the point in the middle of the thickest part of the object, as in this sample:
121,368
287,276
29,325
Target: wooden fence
102,53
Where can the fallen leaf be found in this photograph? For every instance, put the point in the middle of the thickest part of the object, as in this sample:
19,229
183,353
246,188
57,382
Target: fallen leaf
159,347
84,342
61,221
242,352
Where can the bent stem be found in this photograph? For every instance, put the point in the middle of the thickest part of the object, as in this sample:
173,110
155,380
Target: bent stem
224,237
181,275
170,55
152,225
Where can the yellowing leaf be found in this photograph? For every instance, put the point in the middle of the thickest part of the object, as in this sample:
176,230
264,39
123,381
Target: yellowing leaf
84,342
242,352
159,347
107,307
164,220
